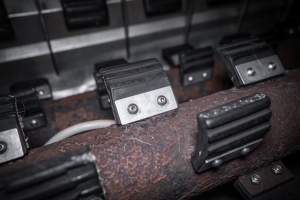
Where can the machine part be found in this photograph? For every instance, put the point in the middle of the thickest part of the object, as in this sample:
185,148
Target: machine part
134,90
157,7
72,176
34,116
196,66
80,128
249,60
231,131
40,86
6,30
12,139
151,159
262,182
171,54
85,13
101,91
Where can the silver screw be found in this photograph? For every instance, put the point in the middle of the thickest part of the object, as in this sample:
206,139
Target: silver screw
133,108
41,92
272,66
255,179
245,151
277,169
217,163
250,72
33,122
204,74
291,31
190,78
162,100
3,147
199,153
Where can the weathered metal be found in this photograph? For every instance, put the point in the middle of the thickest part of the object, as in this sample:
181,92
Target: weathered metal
151,159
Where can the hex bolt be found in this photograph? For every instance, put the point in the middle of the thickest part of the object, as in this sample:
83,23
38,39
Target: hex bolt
133,109
245,151
250,71
277,169
3,147
255,179
271,66
162,100
217,163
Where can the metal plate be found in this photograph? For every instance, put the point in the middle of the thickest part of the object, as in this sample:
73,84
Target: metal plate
14,145
147,104
263,180
261,69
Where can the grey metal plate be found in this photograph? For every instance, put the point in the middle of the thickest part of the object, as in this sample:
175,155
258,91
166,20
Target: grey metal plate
14,145
147,104
260,66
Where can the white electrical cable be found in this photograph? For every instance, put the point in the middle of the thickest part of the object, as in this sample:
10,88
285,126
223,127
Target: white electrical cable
79,128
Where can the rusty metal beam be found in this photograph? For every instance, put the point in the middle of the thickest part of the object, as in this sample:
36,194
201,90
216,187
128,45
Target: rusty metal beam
151,159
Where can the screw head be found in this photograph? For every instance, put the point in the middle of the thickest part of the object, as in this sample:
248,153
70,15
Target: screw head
271,66
255,179
162,100
291,31
204,75
3,147
190,78
200,153
133,109
33,122
250,71
245,151
217,163
41,92
277,169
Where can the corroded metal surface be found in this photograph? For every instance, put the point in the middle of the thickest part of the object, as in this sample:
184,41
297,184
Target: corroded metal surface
151,159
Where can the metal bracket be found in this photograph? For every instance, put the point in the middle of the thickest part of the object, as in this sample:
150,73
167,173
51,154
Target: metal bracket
196,66
138,90
261,183
103,97
85,14
39,86
249,60
171,54
231,131
34,116
13,143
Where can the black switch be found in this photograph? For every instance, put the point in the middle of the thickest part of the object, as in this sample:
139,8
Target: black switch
85,13
196,66
160,7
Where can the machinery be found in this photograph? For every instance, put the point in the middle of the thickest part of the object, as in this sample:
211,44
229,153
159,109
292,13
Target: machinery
149,99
